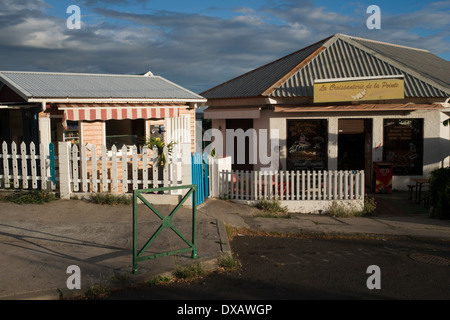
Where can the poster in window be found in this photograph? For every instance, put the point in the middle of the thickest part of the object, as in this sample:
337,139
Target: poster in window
307,144
403,145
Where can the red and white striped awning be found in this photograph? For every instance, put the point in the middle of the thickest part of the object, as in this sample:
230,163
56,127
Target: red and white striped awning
117,111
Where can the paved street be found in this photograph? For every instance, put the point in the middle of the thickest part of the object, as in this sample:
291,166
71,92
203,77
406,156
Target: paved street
39,242
277,268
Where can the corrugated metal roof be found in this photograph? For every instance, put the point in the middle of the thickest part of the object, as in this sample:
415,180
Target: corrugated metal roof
344,60
42,85
421,61
425,74
255,82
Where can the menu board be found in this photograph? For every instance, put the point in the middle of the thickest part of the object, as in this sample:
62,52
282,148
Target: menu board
403,145
307,144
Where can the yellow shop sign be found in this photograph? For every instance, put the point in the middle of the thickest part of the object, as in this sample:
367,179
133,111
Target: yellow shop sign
382,89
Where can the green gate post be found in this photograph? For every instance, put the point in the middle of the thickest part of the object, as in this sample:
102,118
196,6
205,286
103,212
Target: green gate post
166,222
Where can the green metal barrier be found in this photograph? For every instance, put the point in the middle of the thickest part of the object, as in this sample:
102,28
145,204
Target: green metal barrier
166,222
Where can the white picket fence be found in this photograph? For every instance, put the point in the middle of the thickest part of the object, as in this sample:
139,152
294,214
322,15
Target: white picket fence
122,170
27,168
291,185
88,170
83,170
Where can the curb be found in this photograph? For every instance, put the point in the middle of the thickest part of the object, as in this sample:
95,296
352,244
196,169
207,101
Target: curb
50,294
223,237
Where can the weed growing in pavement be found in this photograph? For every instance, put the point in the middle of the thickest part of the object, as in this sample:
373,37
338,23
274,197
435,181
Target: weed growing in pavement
97,291
159,280
272,209
189,272
342,211
228,262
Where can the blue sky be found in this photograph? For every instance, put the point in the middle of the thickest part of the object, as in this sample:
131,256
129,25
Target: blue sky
200,43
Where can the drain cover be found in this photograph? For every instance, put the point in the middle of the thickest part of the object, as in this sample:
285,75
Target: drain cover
430,259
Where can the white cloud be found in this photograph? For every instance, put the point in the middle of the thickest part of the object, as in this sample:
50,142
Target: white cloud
195,50
34,32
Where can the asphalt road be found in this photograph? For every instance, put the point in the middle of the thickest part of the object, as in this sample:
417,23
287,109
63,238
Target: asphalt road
277,268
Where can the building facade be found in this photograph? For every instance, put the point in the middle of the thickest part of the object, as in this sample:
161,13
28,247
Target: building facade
342,103
95,109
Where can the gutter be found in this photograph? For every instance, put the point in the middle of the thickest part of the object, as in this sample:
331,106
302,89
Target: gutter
114,100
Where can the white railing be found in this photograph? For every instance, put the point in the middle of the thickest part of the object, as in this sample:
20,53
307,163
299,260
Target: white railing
27,168
121,171
291,185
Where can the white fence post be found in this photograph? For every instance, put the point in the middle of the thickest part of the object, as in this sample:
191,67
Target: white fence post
218,166
64,170
34,183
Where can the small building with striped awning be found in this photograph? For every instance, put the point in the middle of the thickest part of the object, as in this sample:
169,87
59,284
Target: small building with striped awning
98,109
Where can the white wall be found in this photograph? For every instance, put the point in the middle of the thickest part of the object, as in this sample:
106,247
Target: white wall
436,136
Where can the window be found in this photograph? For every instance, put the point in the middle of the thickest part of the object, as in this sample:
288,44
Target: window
72,132
307,144
403,145
124,132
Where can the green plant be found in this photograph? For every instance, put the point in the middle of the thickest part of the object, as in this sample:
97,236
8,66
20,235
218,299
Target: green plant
30,197
228,262
369,206
345,211
159,144
97,291
189,272
158,280
111,199
440,193
272,209
231,231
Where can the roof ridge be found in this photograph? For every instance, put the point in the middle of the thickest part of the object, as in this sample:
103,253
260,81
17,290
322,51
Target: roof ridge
77,74
341,35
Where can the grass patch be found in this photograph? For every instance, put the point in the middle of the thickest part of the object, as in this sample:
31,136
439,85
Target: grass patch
159,280
272,209
97,291
192,271
231,232
228,262
342,211
30,197
111,199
